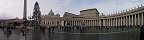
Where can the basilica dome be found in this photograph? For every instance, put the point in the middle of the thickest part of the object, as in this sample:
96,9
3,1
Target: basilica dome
51,13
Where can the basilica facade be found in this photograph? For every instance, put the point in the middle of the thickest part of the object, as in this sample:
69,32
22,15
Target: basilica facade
51,20
91,17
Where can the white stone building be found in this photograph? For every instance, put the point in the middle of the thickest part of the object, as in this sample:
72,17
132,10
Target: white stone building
91,17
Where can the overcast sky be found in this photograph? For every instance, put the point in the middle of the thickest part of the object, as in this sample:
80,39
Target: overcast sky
14,8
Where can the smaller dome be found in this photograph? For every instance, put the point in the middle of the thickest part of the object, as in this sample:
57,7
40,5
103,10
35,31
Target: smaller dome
51,13
58,15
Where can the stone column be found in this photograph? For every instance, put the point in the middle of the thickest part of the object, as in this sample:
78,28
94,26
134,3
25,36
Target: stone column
129,20
96,23
104,22
113,22
132,20
107,22
65,23
70,22
138,19
79,22
135,20
110,21
85,22
126,21
100,22
93,23
116,21
142,21
88,22
73,23
120,21
76,22
123,20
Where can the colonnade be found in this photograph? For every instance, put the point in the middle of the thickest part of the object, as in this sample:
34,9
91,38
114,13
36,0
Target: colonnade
127,20
81,23
135,19
72,23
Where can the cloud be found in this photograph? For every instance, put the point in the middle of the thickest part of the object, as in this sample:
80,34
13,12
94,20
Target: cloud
14,8
112,6
11,8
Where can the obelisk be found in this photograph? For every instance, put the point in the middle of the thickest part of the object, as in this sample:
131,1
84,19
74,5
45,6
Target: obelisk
22,36
25,10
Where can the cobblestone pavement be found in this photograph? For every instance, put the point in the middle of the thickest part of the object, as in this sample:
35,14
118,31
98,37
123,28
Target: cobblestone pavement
16,34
